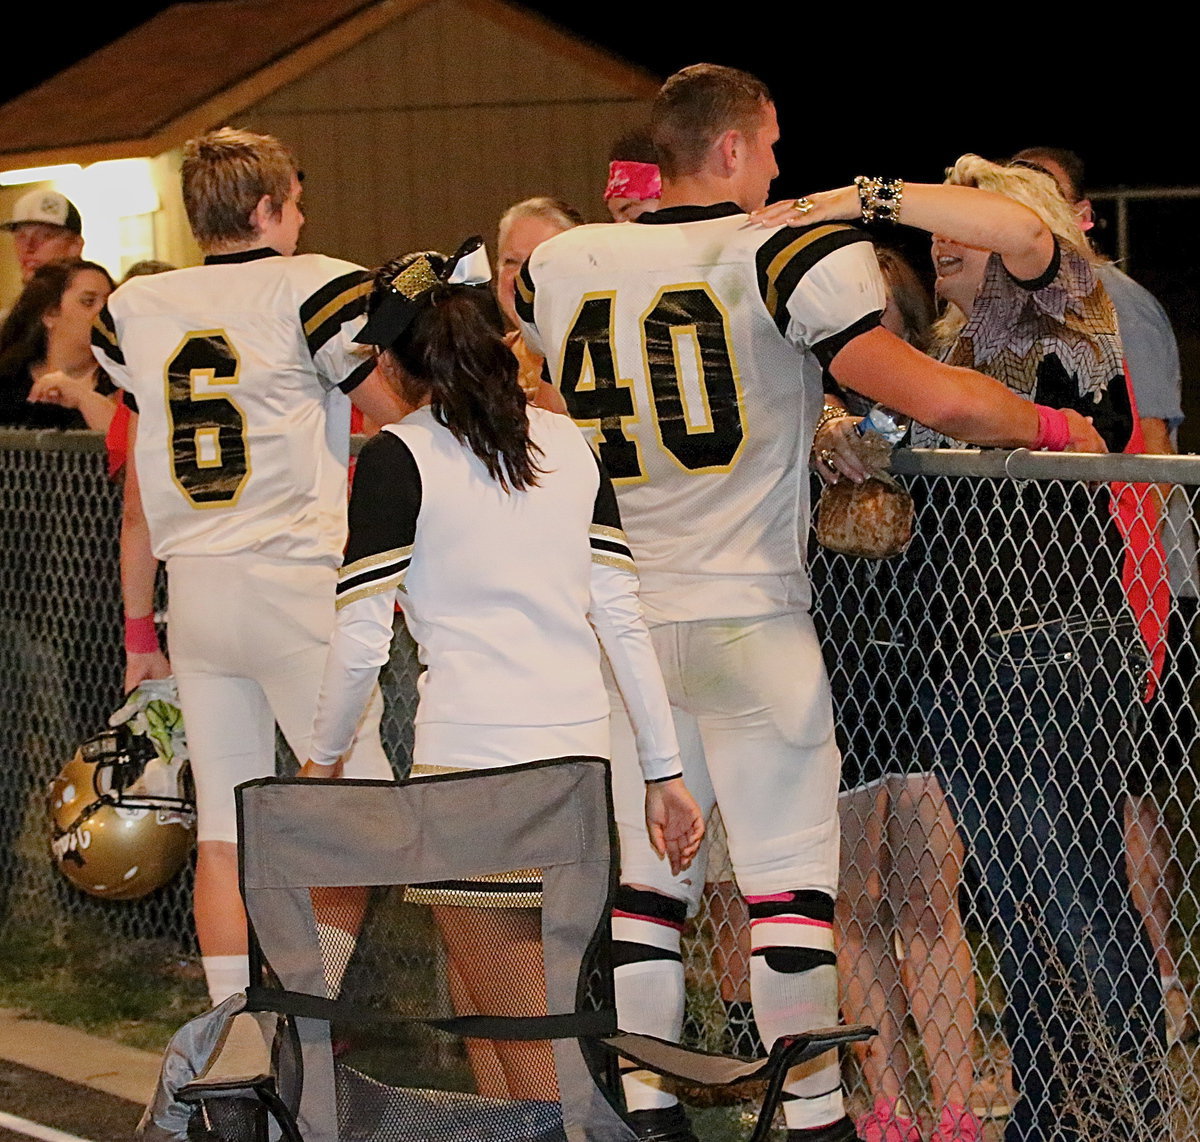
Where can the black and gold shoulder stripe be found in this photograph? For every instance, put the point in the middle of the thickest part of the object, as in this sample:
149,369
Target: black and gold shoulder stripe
385,503
610,547
335,303
104,336
784,258
523,296
607,539
373,575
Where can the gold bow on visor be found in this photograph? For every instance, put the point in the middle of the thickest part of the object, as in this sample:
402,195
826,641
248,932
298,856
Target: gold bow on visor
415,279
395,308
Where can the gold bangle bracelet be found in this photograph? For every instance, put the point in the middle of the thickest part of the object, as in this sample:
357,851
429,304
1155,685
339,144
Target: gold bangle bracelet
828,413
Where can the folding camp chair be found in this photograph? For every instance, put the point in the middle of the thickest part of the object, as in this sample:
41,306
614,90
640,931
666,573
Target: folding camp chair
431,961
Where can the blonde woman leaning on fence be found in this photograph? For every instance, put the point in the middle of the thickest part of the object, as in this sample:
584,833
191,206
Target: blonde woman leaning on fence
1032,660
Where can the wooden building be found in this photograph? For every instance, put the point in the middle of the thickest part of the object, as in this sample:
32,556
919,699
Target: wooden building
417,122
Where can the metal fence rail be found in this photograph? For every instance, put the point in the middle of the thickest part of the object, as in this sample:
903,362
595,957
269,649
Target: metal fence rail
1019,822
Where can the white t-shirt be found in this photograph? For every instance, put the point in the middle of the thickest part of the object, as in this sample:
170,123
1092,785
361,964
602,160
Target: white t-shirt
691,345
238,370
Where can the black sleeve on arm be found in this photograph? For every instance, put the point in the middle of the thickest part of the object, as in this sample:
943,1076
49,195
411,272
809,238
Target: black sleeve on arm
826,350
606,536
1046,276
360,374
384,506
605,513
386,498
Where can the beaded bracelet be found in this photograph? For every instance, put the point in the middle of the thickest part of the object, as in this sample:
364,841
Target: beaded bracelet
879,199
828,413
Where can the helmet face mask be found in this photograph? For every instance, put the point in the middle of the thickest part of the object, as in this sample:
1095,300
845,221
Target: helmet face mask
122,821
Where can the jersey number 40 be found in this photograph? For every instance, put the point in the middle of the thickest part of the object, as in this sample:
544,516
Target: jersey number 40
691,371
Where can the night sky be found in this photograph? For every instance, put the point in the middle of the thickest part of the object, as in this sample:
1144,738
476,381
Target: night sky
878,88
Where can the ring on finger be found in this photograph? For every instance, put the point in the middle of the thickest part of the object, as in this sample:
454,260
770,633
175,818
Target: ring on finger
802,205
826,455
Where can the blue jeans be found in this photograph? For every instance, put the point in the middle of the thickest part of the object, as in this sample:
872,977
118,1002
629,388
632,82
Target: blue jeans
1033,742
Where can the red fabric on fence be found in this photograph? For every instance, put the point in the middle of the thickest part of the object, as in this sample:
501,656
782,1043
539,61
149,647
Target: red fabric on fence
1135,511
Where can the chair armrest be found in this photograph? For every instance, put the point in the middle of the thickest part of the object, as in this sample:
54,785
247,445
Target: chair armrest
707,1069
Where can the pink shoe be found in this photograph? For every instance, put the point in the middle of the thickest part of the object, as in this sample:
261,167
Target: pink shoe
957,1124
882,1124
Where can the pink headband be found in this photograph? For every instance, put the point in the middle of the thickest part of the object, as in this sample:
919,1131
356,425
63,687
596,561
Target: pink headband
638,181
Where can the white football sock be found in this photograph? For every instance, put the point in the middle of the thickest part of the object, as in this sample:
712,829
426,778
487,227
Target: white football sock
225,976
787,1002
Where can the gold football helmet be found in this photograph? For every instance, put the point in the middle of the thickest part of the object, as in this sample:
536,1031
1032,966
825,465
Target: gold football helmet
122,822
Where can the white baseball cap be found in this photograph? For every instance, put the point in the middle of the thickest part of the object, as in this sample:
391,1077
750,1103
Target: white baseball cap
48,207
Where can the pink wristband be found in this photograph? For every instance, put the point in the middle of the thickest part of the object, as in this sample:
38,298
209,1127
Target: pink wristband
140,635
1054,433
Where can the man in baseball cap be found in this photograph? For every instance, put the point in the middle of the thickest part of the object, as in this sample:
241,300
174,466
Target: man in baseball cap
45,227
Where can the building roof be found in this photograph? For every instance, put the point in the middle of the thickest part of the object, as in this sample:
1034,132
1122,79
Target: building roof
195,65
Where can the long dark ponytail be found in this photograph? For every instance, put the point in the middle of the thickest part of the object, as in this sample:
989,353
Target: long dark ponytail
453,353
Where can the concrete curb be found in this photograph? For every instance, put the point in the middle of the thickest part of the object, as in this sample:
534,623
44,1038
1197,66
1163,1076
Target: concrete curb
78,1057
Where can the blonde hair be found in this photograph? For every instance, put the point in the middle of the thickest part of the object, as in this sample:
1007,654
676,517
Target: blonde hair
1032,188
225,174
554,211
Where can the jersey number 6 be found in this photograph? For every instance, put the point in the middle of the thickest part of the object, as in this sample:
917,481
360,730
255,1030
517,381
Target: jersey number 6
686,349
205,427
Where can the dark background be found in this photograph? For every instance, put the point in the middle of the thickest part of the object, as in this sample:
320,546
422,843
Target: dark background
899,90
862,87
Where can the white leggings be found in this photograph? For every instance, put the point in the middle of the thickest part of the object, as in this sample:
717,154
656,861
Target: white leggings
753,713
248,638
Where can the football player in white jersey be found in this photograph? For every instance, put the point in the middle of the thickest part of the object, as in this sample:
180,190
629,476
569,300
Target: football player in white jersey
239,371
692,344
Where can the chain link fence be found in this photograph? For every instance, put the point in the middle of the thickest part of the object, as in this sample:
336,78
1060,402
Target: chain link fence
1015,702
61,660
1019,817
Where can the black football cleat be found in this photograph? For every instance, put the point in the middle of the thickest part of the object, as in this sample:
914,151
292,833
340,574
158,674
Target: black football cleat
663,1124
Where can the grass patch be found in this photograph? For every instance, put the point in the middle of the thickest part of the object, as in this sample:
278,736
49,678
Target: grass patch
137,992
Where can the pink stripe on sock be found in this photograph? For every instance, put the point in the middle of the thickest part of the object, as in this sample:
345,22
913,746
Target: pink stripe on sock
648,919
774,898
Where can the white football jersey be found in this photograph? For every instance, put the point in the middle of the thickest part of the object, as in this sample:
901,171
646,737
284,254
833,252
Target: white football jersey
691,345
238,370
